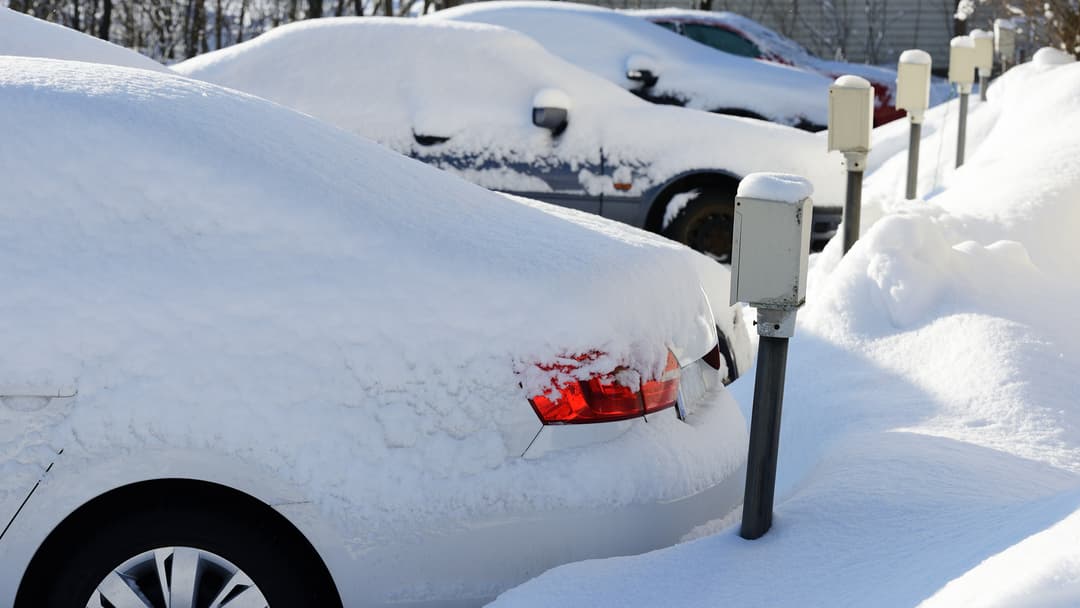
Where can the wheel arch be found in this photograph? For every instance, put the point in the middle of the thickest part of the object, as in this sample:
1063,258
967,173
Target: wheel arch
76,478
681,183
131,496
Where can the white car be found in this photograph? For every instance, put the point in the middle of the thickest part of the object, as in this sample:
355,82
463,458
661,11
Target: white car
252,360
492,106
659,65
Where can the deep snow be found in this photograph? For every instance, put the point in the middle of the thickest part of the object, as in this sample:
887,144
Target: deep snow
931,442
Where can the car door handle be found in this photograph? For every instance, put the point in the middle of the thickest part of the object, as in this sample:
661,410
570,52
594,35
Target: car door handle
31,398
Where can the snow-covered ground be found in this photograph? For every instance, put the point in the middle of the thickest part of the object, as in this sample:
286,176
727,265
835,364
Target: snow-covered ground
930,451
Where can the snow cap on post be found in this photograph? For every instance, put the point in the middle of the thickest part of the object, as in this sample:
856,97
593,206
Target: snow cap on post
962,61
984,50
851,114
913,83
783,187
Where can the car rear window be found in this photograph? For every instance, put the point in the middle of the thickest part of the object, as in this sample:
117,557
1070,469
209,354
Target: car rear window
721,39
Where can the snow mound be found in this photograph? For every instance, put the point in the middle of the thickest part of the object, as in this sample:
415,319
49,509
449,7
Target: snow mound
931,441
28,36
1051,56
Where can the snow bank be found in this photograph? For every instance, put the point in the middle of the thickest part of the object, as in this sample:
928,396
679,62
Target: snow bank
21,34
931,441
213,272
603,41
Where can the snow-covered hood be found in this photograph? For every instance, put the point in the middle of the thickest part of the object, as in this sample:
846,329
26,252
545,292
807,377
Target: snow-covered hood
168,241
609,44
475,84
23,35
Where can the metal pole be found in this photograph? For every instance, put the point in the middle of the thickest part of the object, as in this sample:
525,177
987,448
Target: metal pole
914,140
961,137
982,85
764,437
852,208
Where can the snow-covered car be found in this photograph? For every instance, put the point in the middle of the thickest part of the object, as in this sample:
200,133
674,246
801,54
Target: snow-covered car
658,65
250,359
744,37
26,36
492,106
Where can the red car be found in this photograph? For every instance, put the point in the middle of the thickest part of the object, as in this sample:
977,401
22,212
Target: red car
745,37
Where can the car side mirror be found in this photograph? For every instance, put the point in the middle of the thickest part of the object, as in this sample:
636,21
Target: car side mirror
645,77
642,68
551,110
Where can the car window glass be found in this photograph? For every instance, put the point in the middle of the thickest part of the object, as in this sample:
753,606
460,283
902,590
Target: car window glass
668,25
721,39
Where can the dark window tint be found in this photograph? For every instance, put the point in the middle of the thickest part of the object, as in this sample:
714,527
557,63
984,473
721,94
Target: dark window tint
668,25
721,39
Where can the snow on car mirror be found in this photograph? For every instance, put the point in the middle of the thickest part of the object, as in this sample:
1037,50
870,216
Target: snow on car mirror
642,68
551,110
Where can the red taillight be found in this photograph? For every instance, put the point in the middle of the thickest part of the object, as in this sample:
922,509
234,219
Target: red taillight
605,399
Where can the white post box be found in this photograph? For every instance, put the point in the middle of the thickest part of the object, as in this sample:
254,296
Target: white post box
851,114
962,62
770,249
984,50
1005,40
771,243
913,83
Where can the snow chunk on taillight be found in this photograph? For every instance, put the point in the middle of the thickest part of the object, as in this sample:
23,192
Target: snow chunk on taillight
608,397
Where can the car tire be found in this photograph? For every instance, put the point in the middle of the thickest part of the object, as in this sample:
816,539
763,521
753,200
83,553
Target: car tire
171,533
705,224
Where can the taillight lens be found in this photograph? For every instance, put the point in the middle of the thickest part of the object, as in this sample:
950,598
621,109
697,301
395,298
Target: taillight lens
604,399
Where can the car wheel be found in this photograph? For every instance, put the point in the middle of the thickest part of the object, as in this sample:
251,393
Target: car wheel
706,222
195,556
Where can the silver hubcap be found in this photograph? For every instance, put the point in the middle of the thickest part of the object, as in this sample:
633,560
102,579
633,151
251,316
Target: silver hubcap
177,577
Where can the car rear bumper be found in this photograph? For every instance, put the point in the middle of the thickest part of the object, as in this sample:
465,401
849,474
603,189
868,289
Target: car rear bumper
643,485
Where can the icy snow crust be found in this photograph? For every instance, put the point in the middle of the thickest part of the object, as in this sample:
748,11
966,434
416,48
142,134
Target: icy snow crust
930,450
605,41
216,273
21,34
476,84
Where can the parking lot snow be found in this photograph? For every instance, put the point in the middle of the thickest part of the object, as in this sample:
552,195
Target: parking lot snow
179,253
930,450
